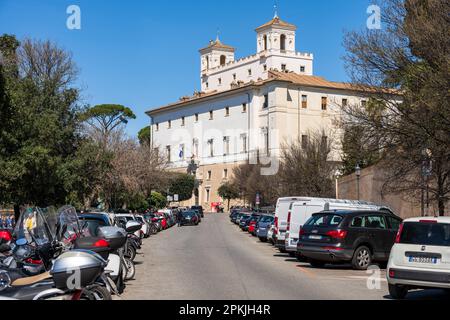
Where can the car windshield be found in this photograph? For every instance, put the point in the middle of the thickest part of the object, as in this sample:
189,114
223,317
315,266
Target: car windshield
266,219
324,220
431,234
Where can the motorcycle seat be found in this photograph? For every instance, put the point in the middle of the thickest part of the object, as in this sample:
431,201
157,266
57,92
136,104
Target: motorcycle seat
31,280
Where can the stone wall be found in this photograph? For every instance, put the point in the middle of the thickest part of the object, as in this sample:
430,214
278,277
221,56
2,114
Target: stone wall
371,183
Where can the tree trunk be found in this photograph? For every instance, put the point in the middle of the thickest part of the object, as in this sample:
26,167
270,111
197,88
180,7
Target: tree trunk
16,212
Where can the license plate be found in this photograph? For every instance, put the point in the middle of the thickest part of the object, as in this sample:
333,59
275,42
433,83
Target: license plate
315,237
428,260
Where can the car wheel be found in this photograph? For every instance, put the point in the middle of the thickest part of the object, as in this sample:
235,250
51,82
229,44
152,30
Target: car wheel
300,258
398,291
262,239
316,263
362,258
292,254
282,250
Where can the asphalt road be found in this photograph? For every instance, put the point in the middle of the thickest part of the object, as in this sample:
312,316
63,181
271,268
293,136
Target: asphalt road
216,260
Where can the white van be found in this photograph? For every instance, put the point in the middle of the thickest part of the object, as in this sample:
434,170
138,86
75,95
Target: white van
281,215
300,211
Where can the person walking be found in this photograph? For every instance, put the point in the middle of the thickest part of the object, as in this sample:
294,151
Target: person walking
179,217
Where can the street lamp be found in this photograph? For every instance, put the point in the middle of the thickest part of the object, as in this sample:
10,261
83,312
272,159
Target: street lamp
358,177
337,175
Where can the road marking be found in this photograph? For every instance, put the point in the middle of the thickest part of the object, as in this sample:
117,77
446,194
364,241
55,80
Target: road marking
307,272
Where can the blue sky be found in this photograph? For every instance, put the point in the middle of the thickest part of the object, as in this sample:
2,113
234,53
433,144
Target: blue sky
144,54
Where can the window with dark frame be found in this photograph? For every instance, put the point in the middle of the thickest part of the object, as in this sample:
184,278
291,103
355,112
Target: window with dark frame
196,117
304,101
244,107
266,101
211,115
227,111
324,103
182,121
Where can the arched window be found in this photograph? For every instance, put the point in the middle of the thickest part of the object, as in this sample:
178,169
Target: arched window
223,60
207,62
283,42
265,41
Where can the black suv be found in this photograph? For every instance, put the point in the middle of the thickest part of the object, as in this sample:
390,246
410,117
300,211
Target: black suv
359,237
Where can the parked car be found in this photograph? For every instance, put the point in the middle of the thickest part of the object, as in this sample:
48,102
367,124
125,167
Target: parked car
271,234
129,217
239,217
263,227
420,257
189,218
145,225
251,224
199,209
243,221
338,236
299,212
198,214
281,214
233,216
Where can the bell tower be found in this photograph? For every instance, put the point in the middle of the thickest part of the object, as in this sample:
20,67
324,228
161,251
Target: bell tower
276,36
216,54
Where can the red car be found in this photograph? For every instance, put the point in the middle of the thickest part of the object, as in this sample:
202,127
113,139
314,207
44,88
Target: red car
252,227
164,224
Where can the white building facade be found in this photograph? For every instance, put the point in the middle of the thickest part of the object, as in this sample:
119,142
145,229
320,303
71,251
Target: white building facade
248,107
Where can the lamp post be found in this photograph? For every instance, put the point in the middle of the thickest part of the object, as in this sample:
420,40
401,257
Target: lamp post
337,175
358,177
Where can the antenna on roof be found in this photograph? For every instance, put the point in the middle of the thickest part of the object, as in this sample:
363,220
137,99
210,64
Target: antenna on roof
275,9
218,33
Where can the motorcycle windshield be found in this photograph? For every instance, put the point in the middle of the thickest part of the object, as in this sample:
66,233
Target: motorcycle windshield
32,226
68,226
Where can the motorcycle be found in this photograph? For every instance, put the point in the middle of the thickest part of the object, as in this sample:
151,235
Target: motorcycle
37,275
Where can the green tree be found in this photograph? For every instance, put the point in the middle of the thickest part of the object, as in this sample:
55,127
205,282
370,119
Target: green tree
157,200
40,112
409,61
228,191
182,184
144,136
104,119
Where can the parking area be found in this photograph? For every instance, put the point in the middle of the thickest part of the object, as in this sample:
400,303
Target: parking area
215,260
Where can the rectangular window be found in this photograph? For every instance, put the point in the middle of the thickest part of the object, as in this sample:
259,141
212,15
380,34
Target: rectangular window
324,103
234,76
304,101
211,147
344,102
249,72
266,101
283,67
157,127
196,117
220,81
227,111
225,173
226,146
211,115
182,121
169,124
207,85
207,191
266,142
265,67
244,143
244,107
209,175
304,141
195,147
181,152
302,69
168,154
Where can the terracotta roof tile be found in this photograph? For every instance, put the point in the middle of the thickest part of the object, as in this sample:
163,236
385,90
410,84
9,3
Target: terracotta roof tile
277,22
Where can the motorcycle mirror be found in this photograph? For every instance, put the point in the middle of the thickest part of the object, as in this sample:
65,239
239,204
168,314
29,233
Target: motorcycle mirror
21,242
